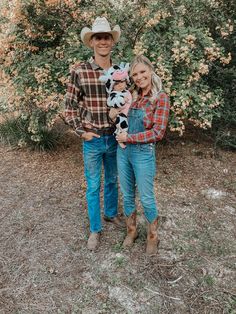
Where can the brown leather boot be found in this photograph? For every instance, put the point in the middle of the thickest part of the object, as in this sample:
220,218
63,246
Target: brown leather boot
93,241
152,238
132,233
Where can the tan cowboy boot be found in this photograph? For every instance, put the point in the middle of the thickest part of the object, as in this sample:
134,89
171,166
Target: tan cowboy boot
132,233
152,238
93,241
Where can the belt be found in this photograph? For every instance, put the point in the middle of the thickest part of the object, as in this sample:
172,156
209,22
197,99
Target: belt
102,132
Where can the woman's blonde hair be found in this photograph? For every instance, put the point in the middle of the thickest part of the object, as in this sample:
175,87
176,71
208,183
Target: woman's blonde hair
156,80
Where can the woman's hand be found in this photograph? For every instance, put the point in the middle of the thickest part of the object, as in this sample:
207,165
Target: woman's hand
114,112
122,137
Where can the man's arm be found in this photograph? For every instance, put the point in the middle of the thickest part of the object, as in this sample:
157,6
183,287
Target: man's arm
73,97
72,111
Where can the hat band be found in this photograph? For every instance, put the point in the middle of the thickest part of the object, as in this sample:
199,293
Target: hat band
101,30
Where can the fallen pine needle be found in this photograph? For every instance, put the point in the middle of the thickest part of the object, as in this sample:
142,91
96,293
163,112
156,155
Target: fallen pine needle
162,295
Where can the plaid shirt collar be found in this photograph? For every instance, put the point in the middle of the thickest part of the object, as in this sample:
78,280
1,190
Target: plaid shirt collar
149,94
94,65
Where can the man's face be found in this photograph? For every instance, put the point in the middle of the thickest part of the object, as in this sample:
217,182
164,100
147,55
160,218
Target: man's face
102,44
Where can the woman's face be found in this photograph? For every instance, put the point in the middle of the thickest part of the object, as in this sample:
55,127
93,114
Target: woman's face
142,77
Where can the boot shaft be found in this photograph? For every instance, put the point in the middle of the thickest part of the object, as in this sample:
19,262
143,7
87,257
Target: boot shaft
152,238
131,230
131,223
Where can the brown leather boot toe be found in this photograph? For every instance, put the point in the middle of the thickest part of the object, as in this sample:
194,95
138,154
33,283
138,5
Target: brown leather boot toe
93,241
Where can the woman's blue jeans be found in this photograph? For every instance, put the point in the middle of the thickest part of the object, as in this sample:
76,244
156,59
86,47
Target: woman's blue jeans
98,152
136,166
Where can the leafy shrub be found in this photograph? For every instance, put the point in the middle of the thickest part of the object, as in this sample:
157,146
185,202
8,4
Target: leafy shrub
14,131
186,41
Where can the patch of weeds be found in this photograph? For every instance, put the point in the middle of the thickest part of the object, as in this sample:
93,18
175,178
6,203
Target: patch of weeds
105,309
192,234
211,245
231,265
49,140
195,266
73,247
120,261
229,185
206,243
133,283
20,216
231,305
192,248
209,280
113,280
117,248
222,250
156,308
14,131
111,306
180,247
207,246
192,264
75,309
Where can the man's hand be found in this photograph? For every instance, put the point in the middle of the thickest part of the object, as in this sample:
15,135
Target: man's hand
88,136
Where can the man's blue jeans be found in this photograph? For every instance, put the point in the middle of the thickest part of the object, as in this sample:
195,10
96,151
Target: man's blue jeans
137,166
96,152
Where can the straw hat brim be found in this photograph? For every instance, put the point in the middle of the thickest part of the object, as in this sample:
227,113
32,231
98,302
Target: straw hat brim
86,34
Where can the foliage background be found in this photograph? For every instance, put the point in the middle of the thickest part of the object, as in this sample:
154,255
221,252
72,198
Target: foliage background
191,45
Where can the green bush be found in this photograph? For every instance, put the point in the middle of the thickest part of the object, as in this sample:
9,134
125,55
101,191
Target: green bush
14,131
189,43
224,126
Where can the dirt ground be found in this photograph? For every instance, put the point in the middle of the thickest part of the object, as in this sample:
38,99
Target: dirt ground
45,266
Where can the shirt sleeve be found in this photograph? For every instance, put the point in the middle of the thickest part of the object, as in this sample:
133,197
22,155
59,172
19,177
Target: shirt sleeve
160,121
72,101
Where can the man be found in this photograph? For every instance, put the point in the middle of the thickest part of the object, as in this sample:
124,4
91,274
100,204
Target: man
86,111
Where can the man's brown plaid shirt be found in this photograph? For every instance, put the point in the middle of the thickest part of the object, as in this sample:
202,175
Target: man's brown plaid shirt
86,98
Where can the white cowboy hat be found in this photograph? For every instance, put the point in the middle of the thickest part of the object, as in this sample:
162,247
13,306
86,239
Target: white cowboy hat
100,25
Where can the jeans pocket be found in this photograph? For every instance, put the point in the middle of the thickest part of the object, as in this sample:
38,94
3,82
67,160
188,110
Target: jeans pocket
93,139
147,147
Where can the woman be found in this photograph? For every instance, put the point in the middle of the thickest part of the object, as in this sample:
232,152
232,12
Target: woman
147,120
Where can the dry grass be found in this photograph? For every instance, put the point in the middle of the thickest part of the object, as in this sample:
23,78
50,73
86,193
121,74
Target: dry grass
45,266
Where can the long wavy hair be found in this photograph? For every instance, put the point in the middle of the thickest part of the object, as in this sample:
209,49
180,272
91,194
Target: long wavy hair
156,84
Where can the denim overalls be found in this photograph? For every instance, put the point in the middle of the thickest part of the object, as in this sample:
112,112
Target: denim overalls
136,167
